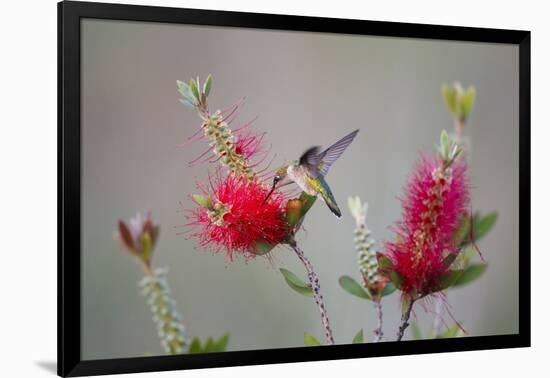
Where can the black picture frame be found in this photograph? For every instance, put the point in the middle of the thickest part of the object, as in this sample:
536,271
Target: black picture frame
70,14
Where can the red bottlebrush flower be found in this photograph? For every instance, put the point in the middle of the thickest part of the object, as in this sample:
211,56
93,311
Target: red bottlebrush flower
235,218
436,198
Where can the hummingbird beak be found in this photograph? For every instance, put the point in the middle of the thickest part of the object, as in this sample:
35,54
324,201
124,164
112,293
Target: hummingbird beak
269,194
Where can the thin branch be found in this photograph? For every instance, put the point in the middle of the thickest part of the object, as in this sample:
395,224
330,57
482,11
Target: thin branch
314,282
378,331
459,130
405,321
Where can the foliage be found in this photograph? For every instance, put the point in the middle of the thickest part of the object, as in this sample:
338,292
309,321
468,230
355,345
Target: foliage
296,283
459,102
210,345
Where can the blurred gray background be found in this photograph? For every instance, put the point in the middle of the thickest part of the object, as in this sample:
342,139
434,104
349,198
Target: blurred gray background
307,89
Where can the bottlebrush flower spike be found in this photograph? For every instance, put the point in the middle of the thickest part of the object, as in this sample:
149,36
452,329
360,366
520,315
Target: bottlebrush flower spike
436,198
138,236
233,217
170,327
223,142
364,244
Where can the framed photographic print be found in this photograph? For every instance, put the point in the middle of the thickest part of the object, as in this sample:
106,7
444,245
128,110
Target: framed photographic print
239,188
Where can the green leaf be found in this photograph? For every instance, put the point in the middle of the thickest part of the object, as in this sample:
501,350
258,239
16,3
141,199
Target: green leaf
181,86
463,231
450,98
351,286
452,331
444,144
455,151
384,262
293,278
388,289
195,346
396,279
209,346
358,338
483,225
203,201
185,91
296,283
310,340
297,208
467,102
415,330
187,103
470,274
308,202
195,90
305,291
221,344
430,334
207,86
449,279
468,253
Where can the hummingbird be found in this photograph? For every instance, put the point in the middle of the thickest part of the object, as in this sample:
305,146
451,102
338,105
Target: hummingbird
310,170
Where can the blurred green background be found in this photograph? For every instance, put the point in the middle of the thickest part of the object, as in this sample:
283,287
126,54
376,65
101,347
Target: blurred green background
307,89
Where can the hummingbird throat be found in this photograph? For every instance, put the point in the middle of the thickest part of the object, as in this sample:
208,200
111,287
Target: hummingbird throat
299,174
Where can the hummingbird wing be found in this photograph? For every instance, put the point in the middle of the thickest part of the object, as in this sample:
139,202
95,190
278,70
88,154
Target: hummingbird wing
311,160
331,154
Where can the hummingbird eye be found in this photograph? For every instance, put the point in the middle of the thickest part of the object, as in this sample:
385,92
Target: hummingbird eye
277,178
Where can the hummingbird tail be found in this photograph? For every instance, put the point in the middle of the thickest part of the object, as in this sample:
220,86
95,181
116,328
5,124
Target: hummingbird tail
328,197
334,208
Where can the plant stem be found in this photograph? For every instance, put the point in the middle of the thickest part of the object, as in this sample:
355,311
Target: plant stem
459,130
378,331
405,321
314,282
147,269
